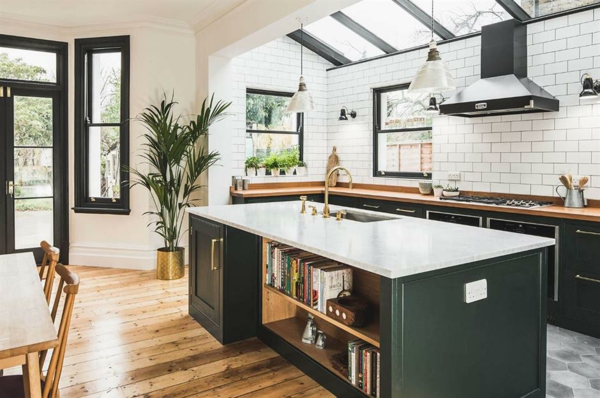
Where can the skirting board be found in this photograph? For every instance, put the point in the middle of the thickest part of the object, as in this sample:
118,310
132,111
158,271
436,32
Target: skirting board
125,257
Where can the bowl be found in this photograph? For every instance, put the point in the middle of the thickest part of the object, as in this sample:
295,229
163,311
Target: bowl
451,194
425,187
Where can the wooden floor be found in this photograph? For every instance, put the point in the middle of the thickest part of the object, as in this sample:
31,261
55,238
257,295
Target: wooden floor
131,336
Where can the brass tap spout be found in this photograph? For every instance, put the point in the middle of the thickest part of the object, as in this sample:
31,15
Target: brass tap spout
327,178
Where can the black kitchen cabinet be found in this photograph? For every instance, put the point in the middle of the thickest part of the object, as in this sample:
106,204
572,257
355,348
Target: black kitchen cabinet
582,277
399,208
224,264
237,200
345,201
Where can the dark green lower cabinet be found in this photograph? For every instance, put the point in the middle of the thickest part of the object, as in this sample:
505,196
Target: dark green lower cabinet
399,208
223,263
267,199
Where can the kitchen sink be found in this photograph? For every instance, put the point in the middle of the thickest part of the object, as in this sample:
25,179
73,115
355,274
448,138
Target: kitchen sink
363,217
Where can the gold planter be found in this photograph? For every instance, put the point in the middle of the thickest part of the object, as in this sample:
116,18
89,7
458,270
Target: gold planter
170,265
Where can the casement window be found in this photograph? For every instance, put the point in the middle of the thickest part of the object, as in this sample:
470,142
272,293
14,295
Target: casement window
269,128
402,134
102,125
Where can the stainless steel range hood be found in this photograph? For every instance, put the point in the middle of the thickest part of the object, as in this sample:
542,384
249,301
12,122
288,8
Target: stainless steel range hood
504,88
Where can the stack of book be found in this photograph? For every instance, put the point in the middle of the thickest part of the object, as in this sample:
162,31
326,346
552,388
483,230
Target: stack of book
304,276
364,362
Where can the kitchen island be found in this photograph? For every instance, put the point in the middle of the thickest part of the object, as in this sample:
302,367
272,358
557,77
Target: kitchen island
433,340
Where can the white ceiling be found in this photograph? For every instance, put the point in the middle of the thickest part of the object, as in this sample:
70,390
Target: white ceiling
70,13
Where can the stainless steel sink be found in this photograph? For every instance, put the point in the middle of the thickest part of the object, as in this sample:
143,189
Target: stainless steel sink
363,217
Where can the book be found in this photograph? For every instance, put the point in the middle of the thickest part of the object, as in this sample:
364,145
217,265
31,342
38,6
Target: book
335,280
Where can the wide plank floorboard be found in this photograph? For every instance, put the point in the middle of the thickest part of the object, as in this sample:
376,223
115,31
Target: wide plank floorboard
131,336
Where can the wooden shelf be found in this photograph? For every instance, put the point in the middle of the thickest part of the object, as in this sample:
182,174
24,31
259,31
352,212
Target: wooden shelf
369,333
291,330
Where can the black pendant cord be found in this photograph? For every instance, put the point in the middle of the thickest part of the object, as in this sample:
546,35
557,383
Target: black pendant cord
301,49
432,2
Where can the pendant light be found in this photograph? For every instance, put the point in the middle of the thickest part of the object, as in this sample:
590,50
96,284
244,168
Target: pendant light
302,101
434,76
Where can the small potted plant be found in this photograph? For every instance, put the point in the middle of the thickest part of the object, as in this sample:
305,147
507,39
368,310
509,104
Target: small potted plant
273,164
288,163
261,170
252,164
437,190
451,191
301,168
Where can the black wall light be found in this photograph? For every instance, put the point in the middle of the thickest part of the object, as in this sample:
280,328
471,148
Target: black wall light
591,88
344,112
433,107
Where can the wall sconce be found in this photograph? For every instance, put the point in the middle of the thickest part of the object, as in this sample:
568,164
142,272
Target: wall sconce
591,88
344,112
433,107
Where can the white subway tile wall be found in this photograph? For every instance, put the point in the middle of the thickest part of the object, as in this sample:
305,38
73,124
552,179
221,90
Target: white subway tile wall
520,154
276,66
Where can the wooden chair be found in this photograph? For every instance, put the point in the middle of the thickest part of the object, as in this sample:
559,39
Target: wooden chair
49,262
12,386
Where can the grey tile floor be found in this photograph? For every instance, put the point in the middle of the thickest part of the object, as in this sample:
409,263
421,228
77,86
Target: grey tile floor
573,368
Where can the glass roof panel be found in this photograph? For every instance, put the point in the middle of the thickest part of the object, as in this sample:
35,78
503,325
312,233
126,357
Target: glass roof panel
390,22
540,8
465,16
345,41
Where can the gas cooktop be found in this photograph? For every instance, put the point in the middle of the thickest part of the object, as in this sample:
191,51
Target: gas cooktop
496,201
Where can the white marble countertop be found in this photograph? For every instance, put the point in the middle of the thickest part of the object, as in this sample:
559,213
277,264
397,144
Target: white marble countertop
394,248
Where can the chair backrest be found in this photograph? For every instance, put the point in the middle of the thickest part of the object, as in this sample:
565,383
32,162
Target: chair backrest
69,285
51,255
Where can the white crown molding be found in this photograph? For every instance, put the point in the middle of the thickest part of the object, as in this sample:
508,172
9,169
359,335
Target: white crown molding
213,12
133,22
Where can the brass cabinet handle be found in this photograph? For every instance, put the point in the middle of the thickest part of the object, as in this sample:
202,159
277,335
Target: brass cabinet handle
1,91
583,278
587,232
371,206
212,253
405,210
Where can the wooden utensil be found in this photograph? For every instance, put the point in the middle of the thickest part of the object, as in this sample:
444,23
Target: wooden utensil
570,179
564,180
582,181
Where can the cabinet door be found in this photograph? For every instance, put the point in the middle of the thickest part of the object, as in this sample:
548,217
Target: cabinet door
206,262
583,247
583,296
346,201
398,208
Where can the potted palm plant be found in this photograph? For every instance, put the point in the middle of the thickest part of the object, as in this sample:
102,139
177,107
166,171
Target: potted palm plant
177,157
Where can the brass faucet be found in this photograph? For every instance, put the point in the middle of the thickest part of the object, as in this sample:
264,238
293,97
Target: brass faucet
327,178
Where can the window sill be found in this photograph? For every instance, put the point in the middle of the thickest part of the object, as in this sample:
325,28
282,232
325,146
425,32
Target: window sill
100,210
405,177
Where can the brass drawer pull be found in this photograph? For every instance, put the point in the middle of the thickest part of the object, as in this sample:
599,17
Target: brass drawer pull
371,206
583,278
405,211
212,253
587,232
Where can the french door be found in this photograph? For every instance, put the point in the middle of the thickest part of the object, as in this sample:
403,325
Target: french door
33,154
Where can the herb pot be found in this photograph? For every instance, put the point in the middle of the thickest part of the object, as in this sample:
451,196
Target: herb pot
451,194
275,172
261,171
250,171
437,192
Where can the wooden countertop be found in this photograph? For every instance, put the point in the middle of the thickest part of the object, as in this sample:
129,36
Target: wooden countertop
379,192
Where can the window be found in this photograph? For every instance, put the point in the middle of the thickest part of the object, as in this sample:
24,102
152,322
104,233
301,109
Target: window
402,139
102,125
540,8
269,128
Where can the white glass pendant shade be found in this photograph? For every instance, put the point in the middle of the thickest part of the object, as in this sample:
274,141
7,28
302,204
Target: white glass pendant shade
434,76
302,101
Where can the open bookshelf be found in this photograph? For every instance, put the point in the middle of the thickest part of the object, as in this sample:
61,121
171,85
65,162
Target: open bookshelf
287,317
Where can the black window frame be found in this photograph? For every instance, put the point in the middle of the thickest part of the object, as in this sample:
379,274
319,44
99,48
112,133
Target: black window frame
299,119
377,131
83,202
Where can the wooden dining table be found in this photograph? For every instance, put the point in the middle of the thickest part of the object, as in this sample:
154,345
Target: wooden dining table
26,327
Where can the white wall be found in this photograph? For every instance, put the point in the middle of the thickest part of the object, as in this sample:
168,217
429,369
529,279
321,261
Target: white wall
276,66
520,154
162,59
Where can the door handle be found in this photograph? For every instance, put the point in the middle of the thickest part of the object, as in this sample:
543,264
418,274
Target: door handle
405,211
1,91
10,188
583,278
587,232
212,253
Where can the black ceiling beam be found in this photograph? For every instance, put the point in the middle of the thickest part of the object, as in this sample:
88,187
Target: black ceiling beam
363,32
515,10
425,18
318,47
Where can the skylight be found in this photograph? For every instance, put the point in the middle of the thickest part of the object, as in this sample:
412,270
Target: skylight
371,28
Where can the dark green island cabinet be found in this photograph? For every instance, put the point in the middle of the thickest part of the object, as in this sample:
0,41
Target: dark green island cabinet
432,342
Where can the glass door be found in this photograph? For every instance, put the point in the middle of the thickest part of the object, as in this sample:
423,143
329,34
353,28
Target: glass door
30,169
